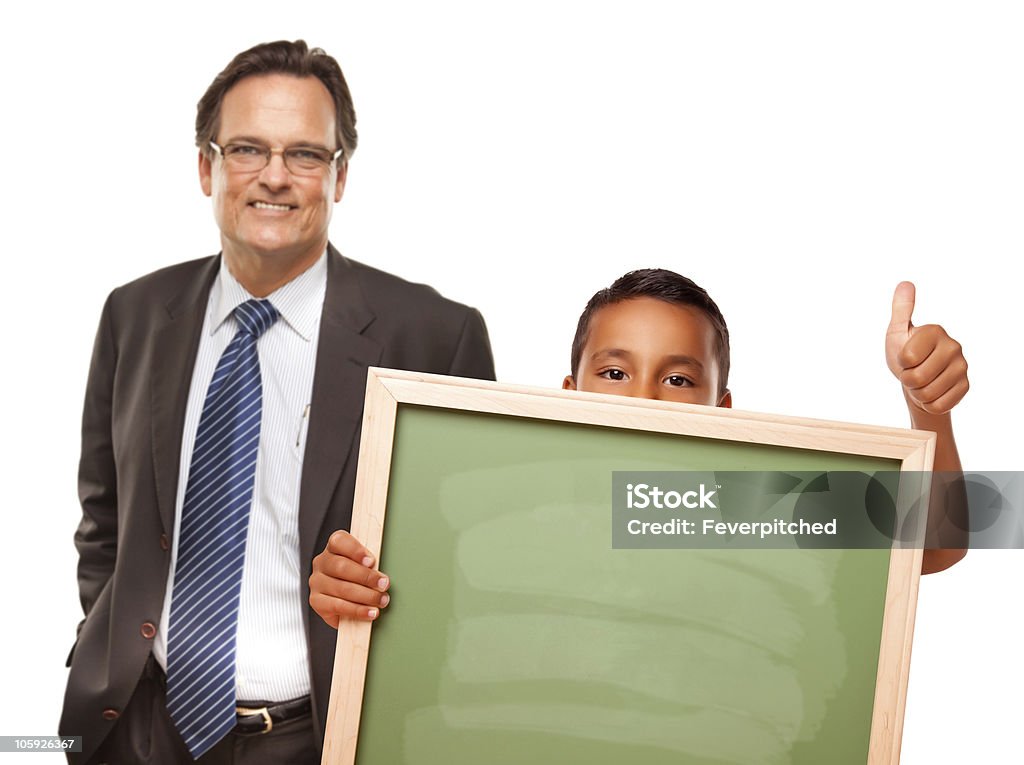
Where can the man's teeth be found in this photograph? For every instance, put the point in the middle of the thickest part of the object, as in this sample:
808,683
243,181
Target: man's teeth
269,206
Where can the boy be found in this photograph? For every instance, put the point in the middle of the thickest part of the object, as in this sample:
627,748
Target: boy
655,334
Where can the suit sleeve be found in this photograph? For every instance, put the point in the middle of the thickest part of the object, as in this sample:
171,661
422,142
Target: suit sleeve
96,537
473,351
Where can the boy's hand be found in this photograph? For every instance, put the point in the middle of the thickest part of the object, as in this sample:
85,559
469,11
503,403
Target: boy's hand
345,584
928,362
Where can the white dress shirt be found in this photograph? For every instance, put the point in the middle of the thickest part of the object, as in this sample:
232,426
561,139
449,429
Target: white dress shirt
272,655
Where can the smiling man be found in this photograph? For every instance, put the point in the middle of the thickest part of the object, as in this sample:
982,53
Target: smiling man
219,438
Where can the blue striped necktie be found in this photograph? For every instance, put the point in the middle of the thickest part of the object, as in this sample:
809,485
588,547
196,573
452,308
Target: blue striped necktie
211,541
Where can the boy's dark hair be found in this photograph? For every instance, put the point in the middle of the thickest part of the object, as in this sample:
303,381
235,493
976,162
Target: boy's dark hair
281,57
664,285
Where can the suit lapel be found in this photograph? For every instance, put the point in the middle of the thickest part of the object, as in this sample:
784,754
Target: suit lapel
176,344
339,383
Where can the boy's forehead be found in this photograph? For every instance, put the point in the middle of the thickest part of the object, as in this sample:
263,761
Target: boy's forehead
652,329
647,317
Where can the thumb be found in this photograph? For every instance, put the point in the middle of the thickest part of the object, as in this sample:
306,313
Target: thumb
902,308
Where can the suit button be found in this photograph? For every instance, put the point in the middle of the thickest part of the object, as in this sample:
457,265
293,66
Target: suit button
165,543
148,630
111,714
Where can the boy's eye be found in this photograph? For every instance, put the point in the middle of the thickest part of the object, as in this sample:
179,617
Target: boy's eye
678,381
613,374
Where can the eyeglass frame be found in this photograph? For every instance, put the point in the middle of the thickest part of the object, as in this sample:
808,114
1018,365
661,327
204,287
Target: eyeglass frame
268,154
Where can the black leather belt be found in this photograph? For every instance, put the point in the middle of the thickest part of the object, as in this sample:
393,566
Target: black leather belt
253,719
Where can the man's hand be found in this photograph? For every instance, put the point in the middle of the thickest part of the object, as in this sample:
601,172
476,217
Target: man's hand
344,583
928,362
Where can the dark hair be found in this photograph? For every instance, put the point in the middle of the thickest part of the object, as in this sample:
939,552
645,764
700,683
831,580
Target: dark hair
281,57
664,285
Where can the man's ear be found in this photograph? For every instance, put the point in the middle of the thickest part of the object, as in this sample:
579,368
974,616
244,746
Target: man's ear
726,400
339,184
568,383
205,173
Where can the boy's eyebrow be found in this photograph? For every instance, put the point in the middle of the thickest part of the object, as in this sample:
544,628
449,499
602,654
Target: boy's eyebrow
684,360
680,359
612,353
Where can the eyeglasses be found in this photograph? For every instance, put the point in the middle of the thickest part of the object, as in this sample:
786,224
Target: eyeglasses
300,160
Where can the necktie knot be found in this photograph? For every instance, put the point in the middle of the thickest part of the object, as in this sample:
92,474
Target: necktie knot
256,316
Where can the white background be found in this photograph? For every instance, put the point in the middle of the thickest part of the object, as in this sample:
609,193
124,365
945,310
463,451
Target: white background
796,159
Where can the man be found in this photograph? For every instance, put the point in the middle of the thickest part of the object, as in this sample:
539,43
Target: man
220,436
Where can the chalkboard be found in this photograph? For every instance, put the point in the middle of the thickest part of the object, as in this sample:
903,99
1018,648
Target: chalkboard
517,634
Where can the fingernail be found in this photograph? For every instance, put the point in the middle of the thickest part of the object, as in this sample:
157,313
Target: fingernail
372,613
382,583
384,600
367,561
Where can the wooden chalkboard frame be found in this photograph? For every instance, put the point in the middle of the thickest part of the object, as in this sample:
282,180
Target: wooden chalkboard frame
386,389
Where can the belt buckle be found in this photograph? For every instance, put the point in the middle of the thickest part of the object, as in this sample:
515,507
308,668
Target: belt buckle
263,712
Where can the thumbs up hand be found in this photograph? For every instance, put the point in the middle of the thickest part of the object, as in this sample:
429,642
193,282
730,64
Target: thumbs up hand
927,361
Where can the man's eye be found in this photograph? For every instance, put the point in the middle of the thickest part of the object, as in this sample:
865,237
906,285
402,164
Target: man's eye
613,374
243,150
307,155
678,381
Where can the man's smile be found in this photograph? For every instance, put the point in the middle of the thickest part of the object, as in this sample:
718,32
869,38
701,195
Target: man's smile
272,206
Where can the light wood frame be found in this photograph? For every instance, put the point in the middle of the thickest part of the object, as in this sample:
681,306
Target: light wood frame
386,389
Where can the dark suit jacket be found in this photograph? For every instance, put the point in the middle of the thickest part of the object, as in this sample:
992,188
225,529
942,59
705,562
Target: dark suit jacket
131,445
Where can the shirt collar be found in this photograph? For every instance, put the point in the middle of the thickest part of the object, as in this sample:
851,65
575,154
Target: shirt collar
299,302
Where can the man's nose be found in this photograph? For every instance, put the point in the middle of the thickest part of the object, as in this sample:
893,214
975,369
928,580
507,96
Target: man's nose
276,175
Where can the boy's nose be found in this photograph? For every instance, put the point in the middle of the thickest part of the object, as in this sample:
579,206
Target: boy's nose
646,387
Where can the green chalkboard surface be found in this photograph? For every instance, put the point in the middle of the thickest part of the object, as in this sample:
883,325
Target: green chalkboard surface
517,634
